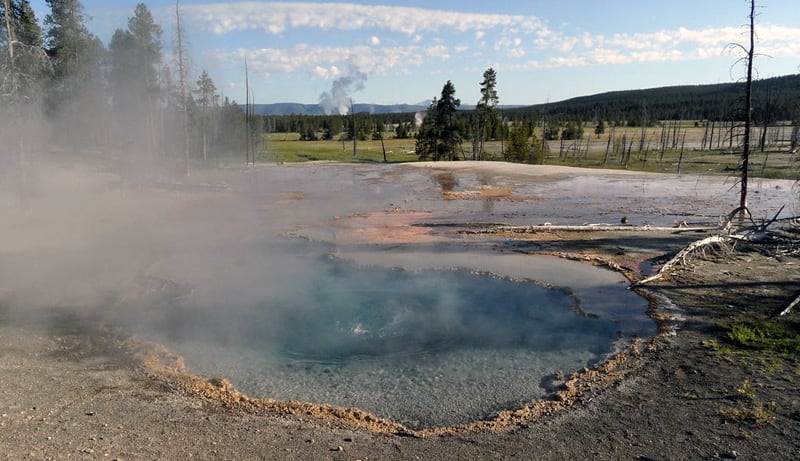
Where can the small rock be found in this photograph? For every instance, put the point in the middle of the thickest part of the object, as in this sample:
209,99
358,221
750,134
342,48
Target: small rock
339,448
90,413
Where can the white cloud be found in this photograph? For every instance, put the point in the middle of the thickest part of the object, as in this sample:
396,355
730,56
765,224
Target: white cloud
572,61
516,53
657,56
277,17
567,44
511,47
425,31
438,51
323,61
679,44
587,41
604,56
326,73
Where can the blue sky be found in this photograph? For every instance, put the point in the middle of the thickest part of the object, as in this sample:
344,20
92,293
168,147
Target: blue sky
388,51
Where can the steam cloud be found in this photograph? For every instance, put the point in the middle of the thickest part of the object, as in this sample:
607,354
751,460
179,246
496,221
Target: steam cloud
338,100
419,117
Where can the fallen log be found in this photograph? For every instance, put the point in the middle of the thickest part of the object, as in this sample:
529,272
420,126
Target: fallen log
790,306
757,233
682,255
590,228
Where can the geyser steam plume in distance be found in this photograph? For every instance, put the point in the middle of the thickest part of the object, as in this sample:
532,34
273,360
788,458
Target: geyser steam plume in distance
338,100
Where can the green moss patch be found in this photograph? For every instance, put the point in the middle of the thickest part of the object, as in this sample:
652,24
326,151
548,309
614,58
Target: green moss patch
769,335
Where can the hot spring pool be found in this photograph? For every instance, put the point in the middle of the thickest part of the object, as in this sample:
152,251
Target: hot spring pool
424,347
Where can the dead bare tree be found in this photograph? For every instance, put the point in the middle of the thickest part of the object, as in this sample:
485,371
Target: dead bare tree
12,42
727,235
749,54
643,134
355,127
680,157
247,128
609,142
183,105
762,141
748,109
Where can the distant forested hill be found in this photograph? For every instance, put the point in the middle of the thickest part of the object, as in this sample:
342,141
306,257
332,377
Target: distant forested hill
776,98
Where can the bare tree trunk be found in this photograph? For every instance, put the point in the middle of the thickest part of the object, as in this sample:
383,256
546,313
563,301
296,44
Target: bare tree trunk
205,130
475,139
184,106
628,154
246,114
765,123
482,140
748,113
205,145
608,143
383,146
503,138
705,137
355,128
644,128
711,136
255,141
16,101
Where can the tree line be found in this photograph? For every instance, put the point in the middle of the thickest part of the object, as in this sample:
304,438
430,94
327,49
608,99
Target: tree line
60,84
526,130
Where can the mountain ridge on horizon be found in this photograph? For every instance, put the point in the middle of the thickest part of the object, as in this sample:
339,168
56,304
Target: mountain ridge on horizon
788,83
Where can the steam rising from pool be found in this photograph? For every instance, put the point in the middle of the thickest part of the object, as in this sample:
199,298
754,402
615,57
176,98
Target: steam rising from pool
402,329
422,347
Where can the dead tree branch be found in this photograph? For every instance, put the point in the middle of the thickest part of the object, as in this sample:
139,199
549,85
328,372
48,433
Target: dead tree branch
682,257
790,306
755,234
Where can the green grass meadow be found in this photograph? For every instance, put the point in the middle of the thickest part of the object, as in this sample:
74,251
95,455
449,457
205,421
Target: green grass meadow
590,152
